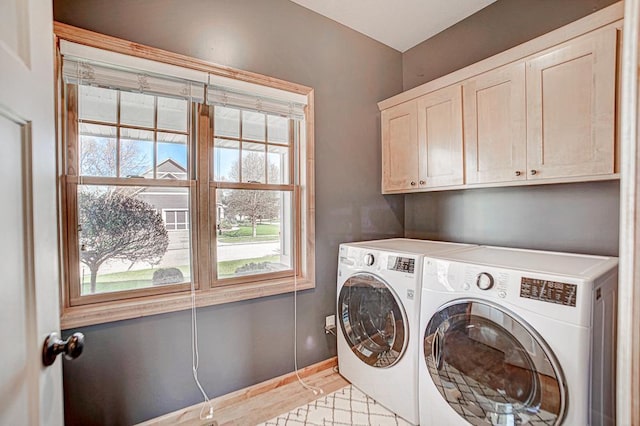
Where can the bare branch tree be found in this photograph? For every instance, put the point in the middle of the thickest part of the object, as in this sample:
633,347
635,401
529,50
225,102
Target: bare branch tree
252,204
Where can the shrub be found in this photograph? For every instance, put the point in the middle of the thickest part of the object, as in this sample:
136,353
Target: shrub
167,276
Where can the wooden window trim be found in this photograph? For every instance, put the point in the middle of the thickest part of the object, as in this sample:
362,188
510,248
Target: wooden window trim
147,301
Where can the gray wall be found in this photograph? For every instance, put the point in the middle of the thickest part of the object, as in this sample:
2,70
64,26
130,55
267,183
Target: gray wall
137,369
580,218
573,217
497,27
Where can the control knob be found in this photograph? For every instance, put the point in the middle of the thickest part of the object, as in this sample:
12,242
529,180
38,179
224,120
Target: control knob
369,259
484,281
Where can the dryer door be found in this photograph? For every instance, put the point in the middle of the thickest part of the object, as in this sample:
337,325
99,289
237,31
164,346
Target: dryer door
491,367
373,320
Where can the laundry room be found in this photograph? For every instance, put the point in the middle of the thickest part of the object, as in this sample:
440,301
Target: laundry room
228,299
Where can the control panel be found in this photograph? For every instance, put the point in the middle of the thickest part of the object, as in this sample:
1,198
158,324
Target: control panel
401,264
548,291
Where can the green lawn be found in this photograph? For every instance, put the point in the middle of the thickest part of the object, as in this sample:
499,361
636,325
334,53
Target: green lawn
244,234
130,280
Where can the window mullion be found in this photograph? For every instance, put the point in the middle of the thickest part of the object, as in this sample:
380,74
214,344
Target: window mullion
118,135
204,238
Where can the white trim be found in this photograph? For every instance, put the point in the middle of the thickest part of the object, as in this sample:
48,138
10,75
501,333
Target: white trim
629,266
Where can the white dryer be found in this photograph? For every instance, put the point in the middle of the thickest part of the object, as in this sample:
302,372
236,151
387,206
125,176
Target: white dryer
378,300
517,337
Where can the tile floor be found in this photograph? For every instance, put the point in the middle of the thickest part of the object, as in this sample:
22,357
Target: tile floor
347,406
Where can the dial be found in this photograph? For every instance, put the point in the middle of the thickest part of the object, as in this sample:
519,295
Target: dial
369,259
484,281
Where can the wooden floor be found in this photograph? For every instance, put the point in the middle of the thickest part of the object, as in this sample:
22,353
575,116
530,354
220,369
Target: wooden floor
263,401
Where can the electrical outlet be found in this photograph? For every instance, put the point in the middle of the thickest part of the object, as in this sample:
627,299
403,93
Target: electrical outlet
330,321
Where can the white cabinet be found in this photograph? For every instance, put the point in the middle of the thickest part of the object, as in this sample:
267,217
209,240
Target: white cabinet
495,125
571,108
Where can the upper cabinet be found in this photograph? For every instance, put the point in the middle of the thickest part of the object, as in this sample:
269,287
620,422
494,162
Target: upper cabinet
440,138
571,108
400,147
542,112
422,142
495,125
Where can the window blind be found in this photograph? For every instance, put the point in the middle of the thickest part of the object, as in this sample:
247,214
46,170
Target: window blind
232,93
79,71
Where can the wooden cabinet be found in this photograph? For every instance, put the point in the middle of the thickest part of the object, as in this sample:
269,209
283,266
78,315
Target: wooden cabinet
400,147
495,126
545,116
422,142
571,108
440,138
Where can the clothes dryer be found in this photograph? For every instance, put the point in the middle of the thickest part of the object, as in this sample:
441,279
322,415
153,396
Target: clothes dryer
378,300
517,337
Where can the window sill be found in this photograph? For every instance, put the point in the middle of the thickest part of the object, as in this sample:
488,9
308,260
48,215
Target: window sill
99,313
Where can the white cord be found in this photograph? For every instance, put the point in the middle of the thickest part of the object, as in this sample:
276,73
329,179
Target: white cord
195,358
316,390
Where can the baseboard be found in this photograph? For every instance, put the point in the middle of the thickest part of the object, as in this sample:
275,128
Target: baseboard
239,396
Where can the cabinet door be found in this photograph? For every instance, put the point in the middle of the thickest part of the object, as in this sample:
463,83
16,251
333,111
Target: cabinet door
495,125
399,147
571,108
440,138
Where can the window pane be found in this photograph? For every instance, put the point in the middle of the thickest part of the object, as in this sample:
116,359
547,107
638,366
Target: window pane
278,164
97,150
278,129
136,153
226,122
254,232
124,241
253,125
97,104
253,162
137,109
173,114
172,156
226,155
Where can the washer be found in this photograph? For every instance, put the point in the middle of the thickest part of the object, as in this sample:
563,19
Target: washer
378,300
515,337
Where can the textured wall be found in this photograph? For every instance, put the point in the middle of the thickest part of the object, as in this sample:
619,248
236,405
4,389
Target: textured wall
573,217
137,369
497,27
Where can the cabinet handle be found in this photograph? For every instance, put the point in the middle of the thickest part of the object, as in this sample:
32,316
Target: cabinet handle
534,172
413,183
422,182
518,172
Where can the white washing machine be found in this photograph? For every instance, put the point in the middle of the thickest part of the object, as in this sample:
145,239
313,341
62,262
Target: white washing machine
518,337
378,300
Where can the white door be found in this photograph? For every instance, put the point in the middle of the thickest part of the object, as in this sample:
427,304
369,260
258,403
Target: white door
30,394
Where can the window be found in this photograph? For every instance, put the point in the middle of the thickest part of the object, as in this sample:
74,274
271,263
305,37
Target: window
176,177
252,172
133,155
175,220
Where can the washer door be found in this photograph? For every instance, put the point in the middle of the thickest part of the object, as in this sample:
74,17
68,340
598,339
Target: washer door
491,367
373,320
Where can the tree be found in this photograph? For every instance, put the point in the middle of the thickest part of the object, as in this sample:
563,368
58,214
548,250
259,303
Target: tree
116,225
252,204
98,157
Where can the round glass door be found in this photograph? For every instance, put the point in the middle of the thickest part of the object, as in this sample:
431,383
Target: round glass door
491,368
372,320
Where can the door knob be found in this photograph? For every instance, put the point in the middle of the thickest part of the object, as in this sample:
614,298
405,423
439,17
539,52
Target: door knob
72,347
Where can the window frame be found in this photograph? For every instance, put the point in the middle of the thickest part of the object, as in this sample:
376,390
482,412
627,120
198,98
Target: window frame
214,185
104,307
